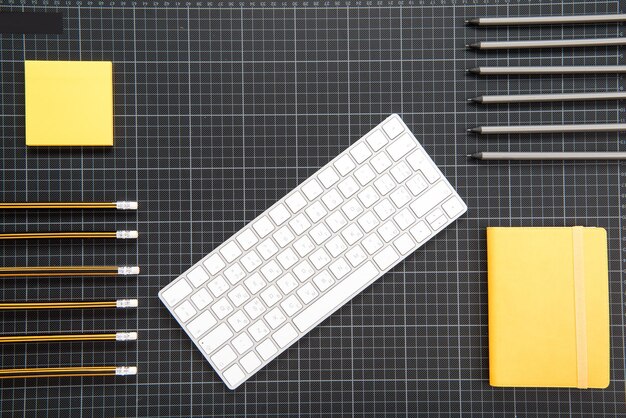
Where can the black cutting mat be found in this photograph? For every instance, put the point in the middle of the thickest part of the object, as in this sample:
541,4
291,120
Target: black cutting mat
223,107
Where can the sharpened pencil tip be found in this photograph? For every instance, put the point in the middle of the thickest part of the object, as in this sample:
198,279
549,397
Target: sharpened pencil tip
475,70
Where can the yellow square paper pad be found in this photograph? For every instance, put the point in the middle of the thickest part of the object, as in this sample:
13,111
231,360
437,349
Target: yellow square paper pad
69,103
532,308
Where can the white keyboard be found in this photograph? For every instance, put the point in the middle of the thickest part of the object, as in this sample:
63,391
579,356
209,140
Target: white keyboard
310,253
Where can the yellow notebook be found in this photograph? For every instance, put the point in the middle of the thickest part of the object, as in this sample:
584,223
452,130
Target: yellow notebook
548,307
69,103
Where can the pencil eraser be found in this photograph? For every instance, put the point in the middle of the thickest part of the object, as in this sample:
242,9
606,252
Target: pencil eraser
126,371
69,103
126,336
127,270
127,303
126,205
127,234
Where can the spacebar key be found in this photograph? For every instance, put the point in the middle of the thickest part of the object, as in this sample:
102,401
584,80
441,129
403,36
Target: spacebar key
336,297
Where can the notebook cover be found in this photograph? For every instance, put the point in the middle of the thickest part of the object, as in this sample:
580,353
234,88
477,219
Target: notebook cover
69,103
532,308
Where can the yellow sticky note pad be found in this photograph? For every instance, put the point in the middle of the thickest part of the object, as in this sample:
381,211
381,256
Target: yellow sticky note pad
69,103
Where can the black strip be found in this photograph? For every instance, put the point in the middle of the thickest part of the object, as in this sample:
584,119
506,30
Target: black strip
31,22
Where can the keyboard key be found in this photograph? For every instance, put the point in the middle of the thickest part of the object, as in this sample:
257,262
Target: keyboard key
312,189
335,297
254,308
332,199
352,234
250,362
352,209
388,231
214,264
420,231
263,226
319,258
417,184
420,161
404,244
340,268
279,214
384,184
215,338
179,291
344,165
377,140
404,218
328,177
271,295
274,318
238,295
201,324
372,244
453,207
251,261
401,146
360,153
197,276
336,246
218,286
393,127
380,163
323,281
401,197
266,349
242,343
368,222
438,223
258,330
234,273
271,271
304,246
267,249
185,311
401,172
296,202
434,215
247,239
230,252
364,175
287,283
222,308
368,196
430,198
234,376
283,236
285,335
299,224
223,357
316,211
384,209
303,271
320,234
348,187
307,293
238,321
356,256
255,283
287,258
291,305
386,258
336,221
201,298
